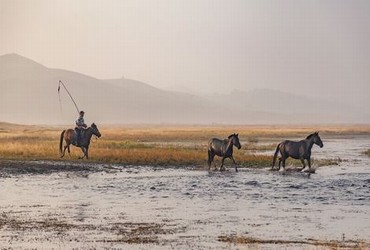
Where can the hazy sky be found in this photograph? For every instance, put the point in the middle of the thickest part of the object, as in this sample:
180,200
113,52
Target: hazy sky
321,47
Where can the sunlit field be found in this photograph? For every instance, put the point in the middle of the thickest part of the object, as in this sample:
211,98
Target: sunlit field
164,145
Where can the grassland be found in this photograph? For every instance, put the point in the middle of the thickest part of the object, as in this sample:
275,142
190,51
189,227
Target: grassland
162,145
367,152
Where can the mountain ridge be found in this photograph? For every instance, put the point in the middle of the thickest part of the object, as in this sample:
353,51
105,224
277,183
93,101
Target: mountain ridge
28,94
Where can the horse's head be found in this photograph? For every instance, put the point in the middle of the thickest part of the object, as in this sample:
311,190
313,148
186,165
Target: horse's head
235,140
95,130
316,139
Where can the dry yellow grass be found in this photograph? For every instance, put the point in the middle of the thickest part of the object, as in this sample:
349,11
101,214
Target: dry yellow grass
159,145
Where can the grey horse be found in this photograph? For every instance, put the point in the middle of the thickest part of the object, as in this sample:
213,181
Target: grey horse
224,149
70,137
298,150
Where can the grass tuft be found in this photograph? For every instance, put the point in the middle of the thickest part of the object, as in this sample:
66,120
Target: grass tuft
367,152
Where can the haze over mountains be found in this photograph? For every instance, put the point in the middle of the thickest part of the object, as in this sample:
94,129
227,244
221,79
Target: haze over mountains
28,95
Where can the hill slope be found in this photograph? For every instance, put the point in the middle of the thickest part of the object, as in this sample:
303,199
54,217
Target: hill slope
28,94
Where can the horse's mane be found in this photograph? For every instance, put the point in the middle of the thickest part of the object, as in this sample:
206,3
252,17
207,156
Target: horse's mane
229,137
311,135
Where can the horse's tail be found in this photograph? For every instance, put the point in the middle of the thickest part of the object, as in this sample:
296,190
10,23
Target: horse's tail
210,153
209,158
61,141
275,155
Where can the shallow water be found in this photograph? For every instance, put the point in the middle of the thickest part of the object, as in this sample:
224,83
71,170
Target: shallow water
186,208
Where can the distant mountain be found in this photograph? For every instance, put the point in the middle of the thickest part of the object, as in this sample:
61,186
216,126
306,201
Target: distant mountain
28,94
297,108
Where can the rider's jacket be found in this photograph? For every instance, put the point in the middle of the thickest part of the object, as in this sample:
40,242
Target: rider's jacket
80,122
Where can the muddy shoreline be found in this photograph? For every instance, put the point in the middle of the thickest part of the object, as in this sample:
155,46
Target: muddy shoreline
10,168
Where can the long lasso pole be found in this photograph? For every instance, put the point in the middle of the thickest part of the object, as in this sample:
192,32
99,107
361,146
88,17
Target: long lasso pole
64,86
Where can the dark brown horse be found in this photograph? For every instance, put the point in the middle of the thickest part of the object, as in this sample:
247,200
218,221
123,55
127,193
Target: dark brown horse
70,137
224,149
297,150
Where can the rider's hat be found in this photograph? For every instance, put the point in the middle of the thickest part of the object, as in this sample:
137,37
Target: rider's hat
82,112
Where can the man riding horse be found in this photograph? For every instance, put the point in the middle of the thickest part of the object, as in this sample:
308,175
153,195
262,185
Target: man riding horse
80,127
79,137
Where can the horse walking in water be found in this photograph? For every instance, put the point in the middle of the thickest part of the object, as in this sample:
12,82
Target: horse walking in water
224,149
297,150
70,137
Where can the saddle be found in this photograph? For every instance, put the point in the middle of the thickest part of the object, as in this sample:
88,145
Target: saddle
75,136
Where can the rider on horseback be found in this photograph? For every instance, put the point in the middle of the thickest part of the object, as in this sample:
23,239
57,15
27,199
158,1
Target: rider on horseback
80,126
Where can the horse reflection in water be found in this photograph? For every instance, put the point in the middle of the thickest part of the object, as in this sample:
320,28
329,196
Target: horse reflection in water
70,137
297,150
224,149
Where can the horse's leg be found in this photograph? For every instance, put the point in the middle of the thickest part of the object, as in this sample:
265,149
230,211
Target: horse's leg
64,151
279,163
84,152
69,150
309,162
236,167
222,164
284,156
87,152
303,164
283,161
213,160
62,155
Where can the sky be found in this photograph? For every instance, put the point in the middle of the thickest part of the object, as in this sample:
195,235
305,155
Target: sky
315,48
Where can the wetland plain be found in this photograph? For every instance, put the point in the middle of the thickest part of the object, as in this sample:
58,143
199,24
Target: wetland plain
149,187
